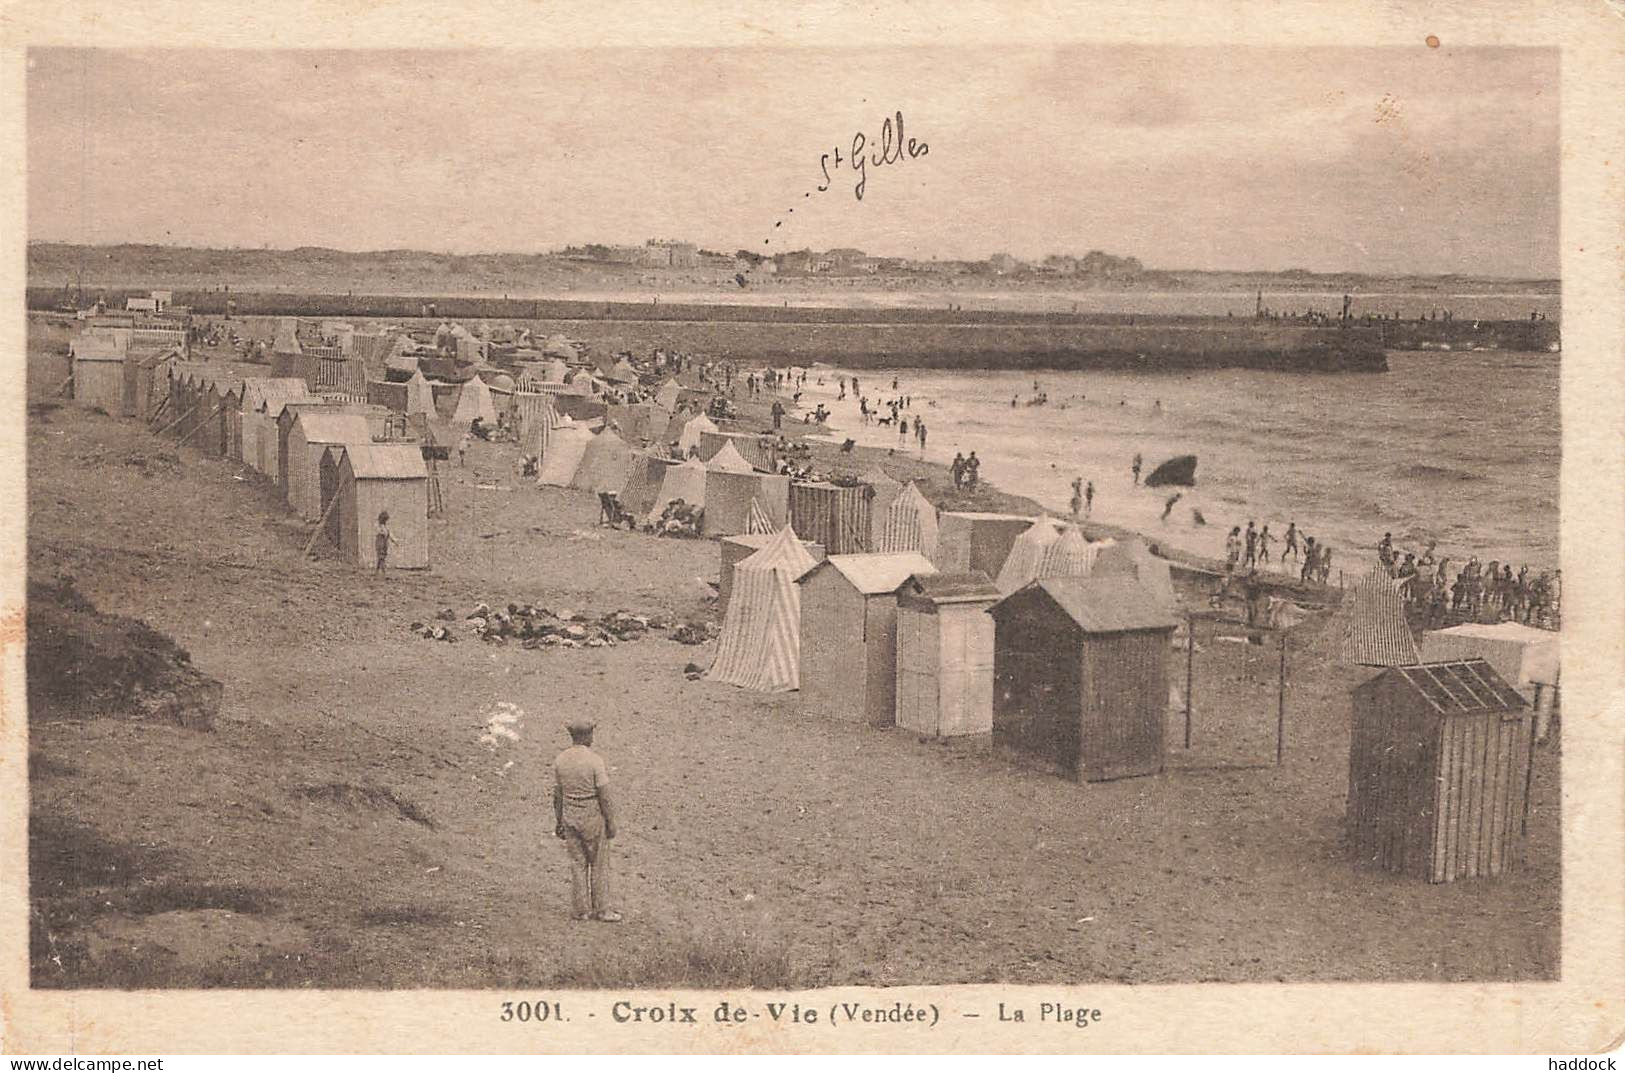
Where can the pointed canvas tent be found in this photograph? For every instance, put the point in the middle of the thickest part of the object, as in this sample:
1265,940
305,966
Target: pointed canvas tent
758,521
419,395
760,645
1133,557
565,446
605,464
729,460
1027,555
555,371
643,483
685,481
909,524
689,438
475,401
1372,624
669,394
534,421
623,373
1070,556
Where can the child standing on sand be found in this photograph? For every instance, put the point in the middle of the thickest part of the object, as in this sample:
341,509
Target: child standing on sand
381,540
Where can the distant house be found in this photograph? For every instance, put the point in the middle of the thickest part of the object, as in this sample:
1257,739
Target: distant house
795,261
1003,263
141,305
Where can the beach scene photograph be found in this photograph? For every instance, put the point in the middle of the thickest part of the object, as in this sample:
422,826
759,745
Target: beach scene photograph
784,518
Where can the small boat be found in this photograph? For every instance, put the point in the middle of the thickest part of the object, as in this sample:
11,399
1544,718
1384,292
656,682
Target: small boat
1180,472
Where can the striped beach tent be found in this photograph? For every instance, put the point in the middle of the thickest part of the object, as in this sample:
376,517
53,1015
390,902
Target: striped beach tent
760,645
758,522
605,464
534,420
885,490
1070,556
1027,555
909,524
1373,627
729,460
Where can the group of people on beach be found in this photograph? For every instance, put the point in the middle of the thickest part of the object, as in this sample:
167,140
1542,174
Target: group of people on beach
1253,550
1477,592
966,472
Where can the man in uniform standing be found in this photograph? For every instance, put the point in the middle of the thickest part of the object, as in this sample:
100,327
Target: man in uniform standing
584,819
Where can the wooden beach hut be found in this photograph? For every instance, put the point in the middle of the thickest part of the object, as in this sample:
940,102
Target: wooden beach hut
1080,675
1439,766
366,479
849,634
98,373
970,541
945,655
310,434
836,516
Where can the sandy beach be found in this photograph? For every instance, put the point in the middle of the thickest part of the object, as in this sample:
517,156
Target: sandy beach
343,825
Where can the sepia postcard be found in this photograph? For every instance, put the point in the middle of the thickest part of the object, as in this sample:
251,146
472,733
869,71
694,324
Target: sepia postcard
752,528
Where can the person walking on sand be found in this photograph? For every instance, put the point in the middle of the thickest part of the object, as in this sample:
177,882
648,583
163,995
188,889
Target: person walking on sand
1088,498
1291,546
584,820
462,450
1077,496
1250,545
1311,559
919,434
1264,539
1135,469
1232,550
1168,507
957,469
973,471
381,540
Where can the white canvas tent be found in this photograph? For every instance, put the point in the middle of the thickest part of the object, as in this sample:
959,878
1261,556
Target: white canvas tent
685,481
419,394
475,401
729,460
605,464
760,645
565,446
689,439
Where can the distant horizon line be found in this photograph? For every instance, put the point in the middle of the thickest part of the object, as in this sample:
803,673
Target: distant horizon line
558,252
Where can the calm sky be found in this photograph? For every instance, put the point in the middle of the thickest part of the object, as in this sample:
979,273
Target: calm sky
1378,160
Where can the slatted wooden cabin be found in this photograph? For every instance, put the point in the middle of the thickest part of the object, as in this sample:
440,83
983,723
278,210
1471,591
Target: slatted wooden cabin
1439,765
1080,675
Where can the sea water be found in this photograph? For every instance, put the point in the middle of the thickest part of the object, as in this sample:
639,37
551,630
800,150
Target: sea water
1458,447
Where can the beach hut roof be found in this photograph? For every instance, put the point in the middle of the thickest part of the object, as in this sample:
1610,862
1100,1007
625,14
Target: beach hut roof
1100,604
386,461
874,574
972,587
1466,685
261,390
729,460
321,427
